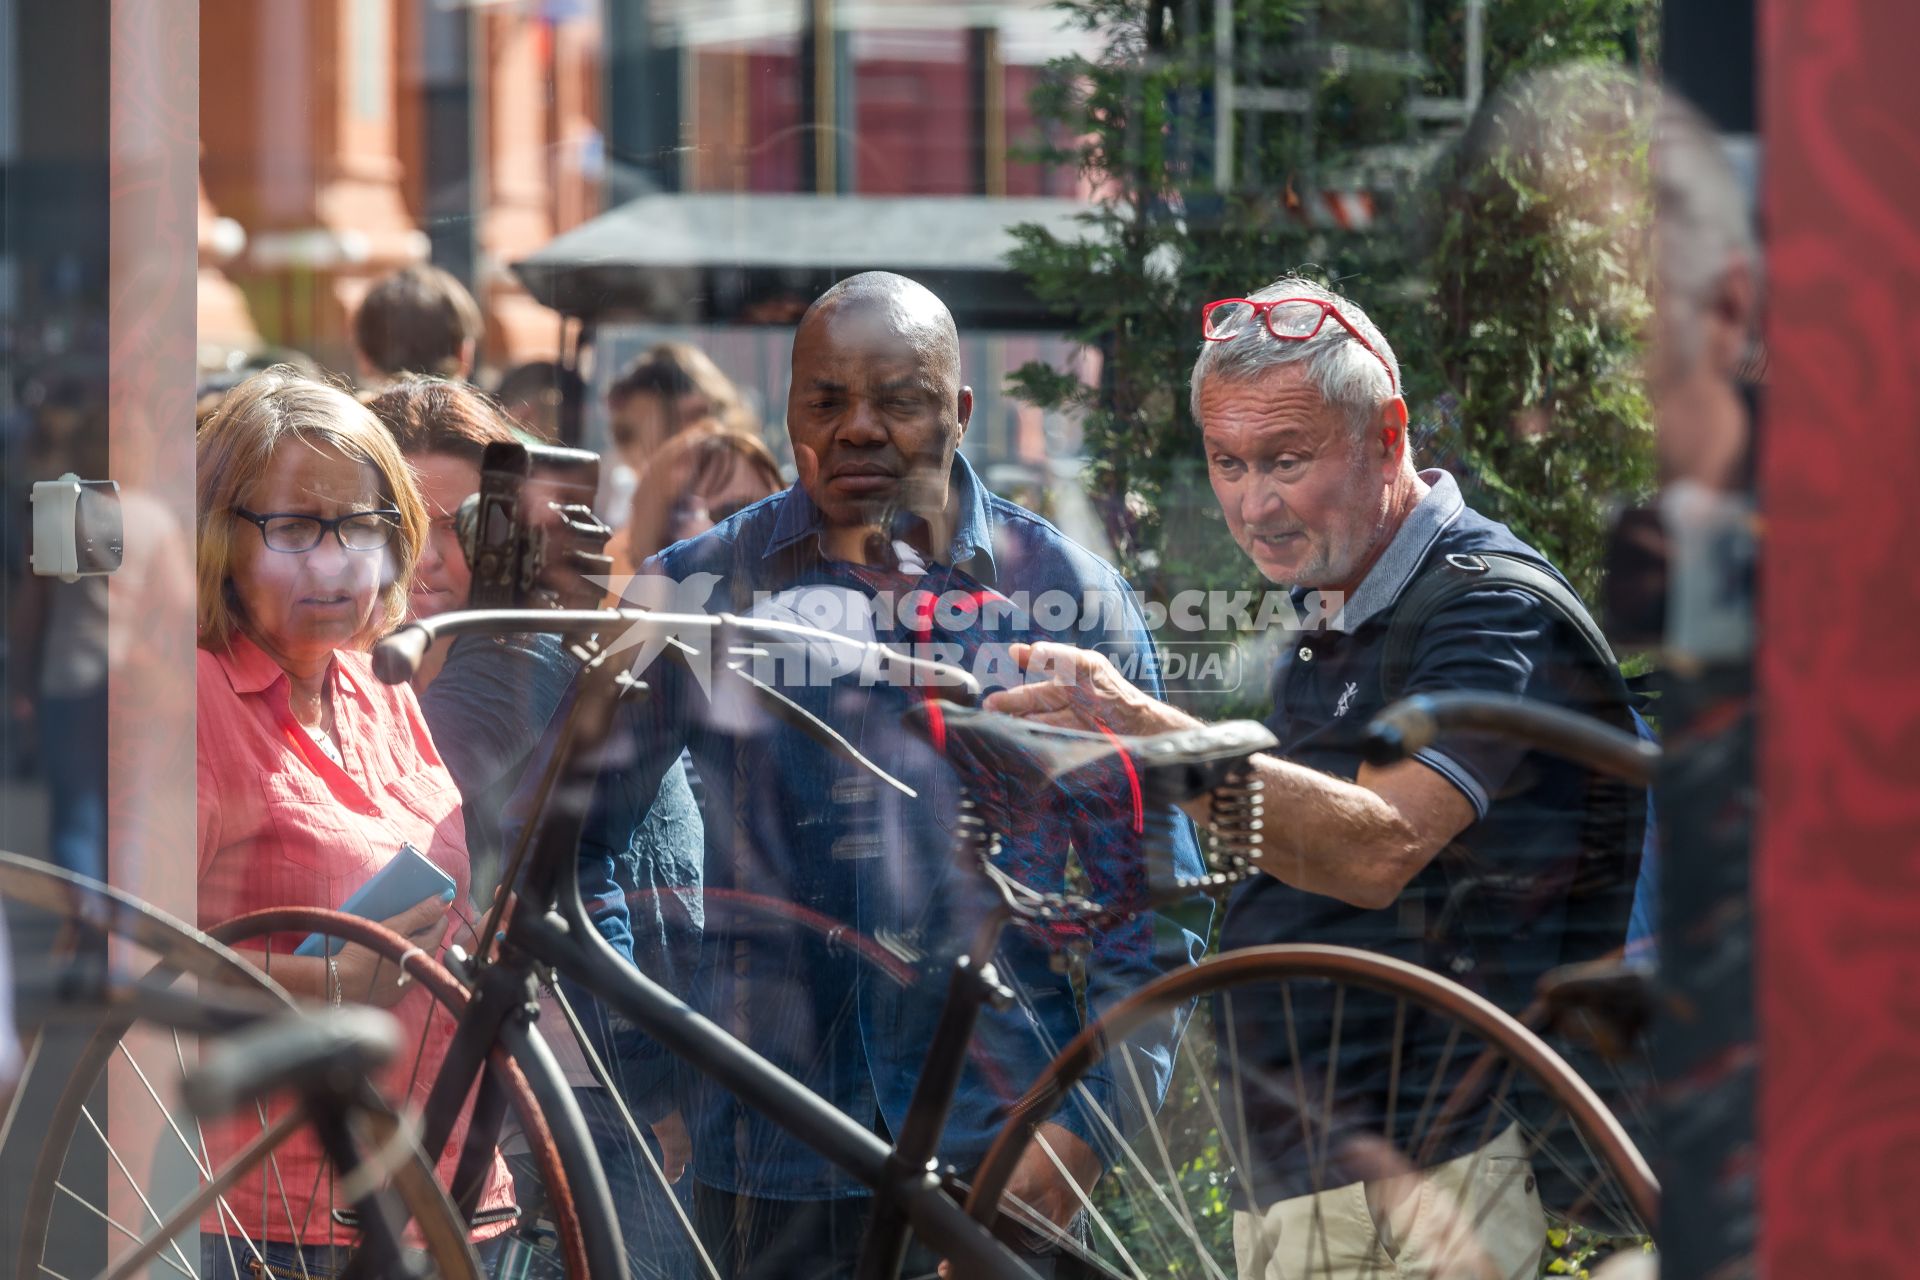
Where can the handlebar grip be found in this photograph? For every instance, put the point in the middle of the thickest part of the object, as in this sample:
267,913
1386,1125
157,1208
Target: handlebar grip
1398,731
1413,723
399,655
320,1053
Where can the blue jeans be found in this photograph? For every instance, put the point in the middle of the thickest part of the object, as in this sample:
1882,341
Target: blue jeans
657,1245
73,757
220,1256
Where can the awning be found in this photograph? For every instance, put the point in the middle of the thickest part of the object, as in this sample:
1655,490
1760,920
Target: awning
744,259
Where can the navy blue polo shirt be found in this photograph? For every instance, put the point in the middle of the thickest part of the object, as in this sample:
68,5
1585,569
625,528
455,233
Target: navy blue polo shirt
1490,911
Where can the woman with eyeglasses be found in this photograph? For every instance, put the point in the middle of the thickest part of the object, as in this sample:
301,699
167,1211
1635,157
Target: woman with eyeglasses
312,774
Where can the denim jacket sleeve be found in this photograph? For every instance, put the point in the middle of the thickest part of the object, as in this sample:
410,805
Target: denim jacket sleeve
642,747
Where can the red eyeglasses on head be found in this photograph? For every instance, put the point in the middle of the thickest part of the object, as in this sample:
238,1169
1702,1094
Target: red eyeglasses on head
1287,319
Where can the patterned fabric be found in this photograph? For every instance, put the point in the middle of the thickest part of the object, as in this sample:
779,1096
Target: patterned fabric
280,824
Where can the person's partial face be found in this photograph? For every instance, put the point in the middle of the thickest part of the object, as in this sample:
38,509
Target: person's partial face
695,513
1304,497
874,418
1698,341
301,606
643,421
442,578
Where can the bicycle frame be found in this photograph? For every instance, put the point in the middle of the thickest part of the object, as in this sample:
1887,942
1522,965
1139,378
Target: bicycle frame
548,927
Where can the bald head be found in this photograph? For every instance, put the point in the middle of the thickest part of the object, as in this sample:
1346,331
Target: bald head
876,409
904,308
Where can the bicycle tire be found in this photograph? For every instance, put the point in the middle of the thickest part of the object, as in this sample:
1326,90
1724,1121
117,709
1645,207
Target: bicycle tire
1281,964
512,1069
88,911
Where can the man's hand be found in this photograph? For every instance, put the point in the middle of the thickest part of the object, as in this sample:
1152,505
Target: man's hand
1036,1181
1037,1185
1080,689
670,1131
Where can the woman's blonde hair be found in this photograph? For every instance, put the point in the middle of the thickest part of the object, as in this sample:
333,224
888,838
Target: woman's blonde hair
233,449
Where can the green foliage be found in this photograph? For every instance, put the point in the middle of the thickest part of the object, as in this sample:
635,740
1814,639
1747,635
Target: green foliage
1575,1251
1507,280
1533,308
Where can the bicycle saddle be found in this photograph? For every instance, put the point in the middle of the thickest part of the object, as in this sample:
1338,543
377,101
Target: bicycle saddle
317,1053
1172,767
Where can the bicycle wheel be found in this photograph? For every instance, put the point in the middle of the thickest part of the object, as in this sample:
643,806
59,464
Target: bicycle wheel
1330,1112
535,1096
103,1176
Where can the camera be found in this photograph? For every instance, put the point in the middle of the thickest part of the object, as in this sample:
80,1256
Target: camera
530,535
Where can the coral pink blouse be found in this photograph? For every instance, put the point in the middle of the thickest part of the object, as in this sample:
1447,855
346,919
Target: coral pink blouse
280,824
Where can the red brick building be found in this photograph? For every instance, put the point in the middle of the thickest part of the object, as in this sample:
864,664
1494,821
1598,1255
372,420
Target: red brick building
344,138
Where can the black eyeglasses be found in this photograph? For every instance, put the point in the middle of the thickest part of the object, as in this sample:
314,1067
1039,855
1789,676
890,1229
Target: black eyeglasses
357,531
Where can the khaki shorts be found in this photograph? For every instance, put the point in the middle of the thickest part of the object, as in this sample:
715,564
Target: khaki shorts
1475,1218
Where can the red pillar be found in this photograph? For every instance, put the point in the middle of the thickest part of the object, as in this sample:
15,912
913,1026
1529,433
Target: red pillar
1838,857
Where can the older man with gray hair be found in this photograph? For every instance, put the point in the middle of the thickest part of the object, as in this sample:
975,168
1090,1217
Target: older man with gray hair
1462,859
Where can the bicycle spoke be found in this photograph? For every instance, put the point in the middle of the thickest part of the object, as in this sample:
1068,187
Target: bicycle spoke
1125,1149
86,1113
1166,1162
255,1152
1037,1223
1393,1072
1319,1229
1433,1089
1236,1159
205,1162
28,1061
1086,1204
118,1226
273,1163
633,1128
1481,1143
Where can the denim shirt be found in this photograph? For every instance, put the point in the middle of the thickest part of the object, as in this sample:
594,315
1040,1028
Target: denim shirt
817,863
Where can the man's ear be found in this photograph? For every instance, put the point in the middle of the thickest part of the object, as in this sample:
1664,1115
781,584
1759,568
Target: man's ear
966,408
1393,432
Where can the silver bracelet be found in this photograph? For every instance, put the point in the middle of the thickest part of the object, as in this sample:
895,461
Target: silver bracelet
333,977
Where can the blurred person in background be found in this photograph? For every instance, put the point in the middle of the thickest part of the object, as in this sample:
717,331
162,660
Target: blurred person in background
313,774
488,701
660,394
59,640
418,320
535,395
1704,362
697,479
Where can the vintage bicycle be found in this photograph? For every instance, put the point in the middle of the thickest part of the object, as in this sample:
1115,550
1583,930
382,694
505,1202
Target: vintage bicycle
1176,1172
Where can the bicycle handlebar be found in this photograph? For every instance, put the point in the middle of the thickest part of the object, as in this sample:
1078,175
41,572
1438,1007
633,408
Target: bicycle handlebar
1412,724
398,656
